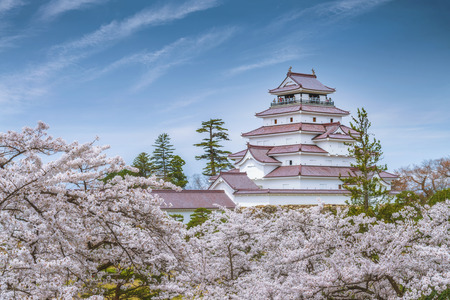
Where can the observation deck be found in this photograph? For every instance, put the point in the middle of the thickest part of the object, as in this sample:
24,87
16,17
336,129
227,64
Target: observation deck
310,101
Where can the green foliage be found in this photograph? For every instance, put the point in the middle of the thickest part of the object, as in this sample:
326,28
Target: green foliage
445,295
144,164
176,175
177,217
439,196
365,186
217,158
199,217
162,155
122,174
125,284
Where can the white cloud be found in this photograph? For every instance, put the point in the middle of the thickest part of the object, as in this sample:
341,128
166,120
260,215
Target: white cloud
7,5
274,58
117,30
33,82
347,7
161,61
58,7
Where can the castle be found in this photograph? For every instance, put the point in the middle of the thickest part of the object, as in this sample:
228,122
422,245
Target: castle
299,153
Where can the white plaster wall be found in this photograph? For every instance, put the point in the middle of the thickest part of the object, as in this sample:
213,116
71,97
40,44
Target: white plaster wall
253,168
297,118
284,183
225,187
300,183
314,160
320,183
273,199
283,139
333,147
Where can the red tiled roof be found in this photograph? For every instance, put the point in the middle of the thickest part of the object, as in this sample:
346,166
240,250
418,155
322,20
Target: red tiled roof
318,171
331,132
192,199
306,81
238,180
238,154
385,174
296,148
213,178
261,155
302,107
293,127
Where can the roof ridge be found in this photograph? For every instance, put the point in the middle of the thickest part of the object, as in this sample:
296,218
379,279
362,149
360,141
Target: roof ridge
302,74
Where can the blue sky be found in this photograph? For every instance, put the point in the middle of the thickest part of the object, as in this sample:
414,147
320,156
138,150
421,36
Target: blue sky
127,71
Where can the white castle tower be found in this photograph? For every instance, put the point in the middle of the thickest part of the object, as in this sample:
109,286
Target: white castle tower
298,154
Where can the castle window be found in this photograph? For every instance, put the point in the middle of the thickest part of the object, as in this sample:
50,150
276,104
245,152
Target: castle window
331,120
340,186
314,119
290,162
275,121
291,119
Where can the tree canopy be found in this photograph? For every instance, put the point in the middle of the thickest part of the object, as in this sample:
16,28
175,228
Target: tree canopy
162,155
365,185
143,163
176,174
217,159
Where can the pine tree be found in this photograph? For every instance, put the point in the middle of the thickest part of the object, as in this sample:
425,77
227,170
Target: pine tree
144,164
176,175
162,155
217,158
365,185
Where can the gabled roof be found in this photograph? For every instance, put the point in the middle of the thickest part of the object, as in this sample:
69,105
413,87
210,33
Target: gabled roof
192,199
318,171
274,150
303,81
302,107
293,127
296,148
259,153
238,180
336,131
238,154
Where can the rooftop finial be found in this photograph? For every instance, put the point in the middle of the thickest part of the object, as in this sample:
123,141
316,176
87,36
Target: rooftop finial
290,69
313,72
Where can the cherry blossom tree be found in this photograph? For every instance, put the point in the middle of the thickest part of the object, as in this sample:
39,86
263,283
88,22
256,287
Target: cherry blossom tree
317,254
64,232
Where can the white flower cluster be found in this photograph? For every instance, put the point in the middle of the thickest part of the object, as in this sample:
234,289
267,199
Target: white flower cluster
315,254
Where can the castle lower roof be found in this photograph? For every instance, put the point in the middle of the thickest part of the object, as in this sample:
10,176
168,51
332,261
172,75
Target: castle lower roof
192,199
293,127
302,107
319,171
238,180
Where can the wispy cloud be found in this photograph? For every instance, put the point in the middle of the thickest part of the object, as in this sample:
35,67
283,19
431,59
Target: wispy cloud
33,82
159,62
7,5
117,30
276,57
328,12
38,79
55,8
347,7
